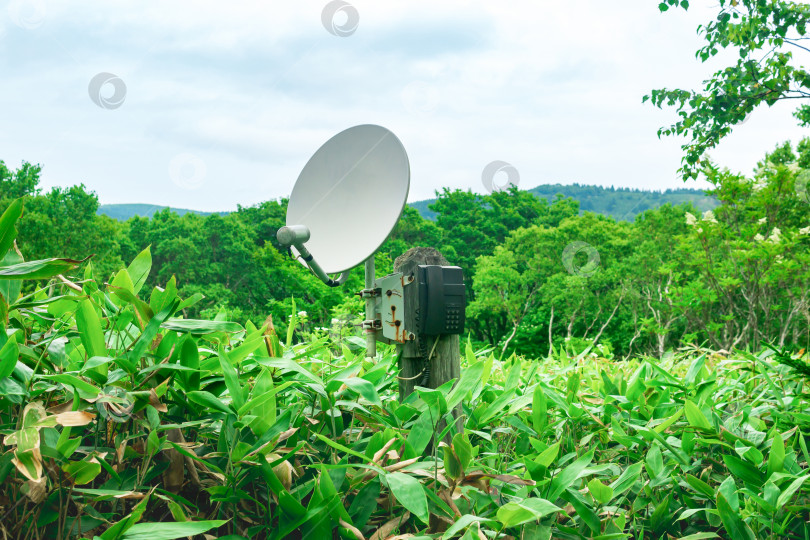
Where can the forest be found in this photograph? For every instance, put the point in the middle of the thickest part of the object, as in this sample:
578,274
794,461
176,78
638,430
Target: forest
620,203
623,204
541,276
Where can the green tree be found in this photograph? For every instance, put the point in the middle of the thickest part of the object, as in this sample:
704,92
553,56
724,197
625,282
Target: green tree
411,230
530,290
763,35
653,267
264,220
60,222
509,282
473,225
747,265
235,263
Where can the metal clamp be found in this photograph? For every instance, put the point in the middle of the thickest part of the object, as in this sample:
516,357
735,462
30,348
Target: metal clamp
371,325
369,293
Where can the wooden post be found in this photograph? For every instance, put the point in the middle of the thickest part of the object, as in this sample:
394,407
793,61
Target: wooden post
446,360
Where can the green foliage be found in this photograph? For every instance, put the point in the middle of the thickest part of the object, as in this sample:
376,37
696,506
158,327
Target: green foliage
762,37
542,277
731,277
473,225
122,419
621,203
122,212
70,211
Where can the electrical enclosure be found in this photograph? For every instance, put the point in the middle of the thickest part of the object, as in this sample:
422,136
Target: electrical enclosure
442,300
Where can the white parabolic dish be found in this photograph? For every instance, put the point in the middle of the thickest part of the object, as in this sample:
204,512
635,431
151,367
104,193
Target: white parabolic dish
350,195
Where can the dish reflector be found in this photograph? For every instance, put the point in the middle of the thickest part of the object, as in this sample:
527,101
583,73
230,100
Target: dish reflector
350,195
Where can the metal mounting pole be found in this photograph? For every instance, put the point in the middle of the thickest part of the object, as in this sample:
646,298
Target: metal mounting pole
371,332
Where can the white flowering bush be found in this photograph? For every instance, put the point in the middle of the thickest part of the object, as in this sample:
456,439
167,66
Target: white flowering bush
740,261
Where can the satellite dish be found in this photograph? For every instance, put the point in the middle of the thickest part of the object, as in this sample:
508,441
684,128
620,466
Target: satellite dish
348,198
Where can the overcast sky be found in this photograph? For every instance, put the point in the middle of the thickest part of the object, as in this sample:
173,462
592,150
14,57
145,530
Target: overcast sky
208,105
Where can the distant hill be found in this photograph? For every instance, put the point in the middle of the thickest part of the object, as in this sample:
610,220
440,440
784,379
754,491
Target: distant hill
422,206
624,203
619,203
125,211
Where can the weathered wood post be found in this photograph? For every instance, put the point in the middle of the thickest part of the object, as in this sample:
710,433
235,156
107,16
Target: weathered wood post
445,363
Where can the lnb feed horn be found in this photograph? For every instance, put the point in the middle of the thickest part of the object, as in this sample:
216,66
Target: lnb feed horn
296,235
292,235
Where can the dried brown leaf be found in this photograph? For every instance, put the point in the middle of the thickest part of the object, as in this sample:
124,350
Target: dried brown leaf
74,418
154,401
472,477
129,495
401,465
381,452
119,452
174,473
36,458
62,407
389,527
35,490
352,529
447,497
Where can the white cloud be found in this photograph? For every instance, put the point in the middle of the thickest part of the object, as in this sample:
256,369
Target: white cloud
254,88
